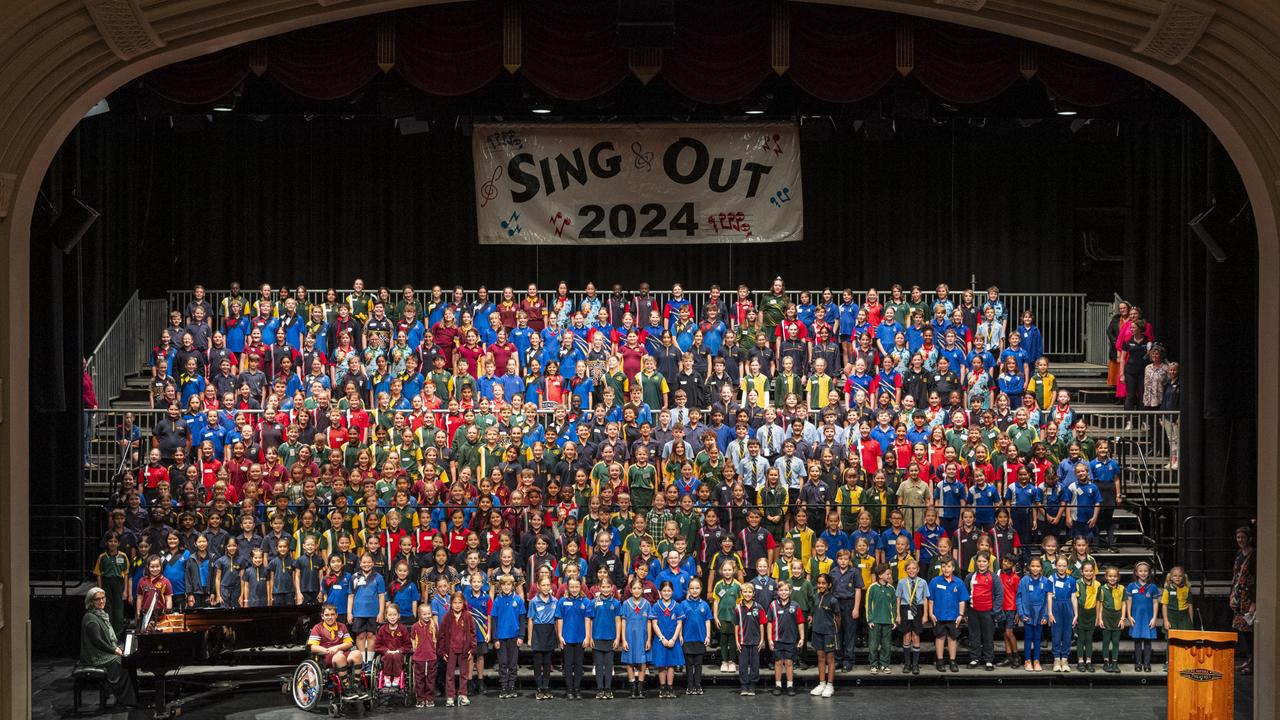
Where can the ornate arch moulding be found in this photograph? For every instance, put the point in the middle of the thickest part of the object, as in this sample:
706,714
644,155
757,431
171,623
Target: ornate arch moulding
1177,30
124,28
974,5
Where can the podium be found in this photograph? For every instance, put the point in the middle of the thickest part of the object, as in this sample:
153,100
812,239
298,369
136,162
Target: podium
1201,675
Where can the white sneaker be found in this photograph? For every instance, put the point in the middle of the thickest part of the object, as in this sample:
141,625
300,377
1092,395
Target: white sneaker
829,690
463,700
724,667
817,690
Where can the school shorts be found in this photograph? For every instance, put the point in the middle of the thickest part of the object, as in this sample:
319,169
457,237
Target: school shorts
909,620
481,649
824,642
1007,620
691,648
362,625
946,629
784,651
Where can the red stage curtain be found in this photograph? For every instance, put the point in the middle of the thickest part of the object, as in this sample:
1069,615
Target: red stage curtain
1083,81
839,57
721,50
964,65
201,80
451,49
571,48
721,54
326,62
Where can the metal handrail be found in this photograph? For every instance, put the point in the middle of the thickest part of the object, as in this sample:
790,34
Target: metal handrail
1061,317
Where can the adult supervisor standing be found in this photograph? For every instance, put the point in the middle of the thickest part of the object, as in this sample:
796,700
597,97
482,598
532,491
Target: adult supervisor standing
99,648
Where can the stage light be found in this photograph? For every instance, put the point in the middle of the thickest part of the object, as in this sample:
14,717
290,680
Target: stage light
1067,112
225,105
542,109
753,111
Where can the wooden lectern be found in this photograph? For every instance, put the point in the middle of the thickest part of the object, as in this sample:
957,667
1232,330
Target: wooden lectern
1201,675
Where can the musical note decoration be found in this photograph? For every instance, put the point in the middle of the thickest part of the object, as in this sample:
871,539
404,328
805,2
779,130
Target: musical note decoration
780,197
643,158
510,224
489,188
772,144
559,222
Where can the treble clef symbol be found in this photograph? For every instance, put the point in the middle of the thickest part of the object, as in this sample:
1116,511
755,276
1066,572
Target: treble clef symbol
644,160
489,189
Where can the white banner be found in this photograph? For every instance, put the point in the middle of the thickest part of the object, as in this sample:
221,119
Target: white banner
580,184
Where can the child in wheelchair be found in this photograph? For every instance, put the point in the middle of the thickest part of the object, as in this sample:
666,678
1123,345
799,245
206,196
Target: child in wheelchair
330,644
392,644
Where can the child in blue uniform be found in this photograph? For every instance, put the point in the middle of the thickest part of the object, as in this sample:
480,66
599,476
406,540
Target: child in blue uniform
280,570
1141,598
604,622
479,603
1033,600
667,617
637,636
571,626
1062,615
366,603
505,615
696,631
255,582
542,636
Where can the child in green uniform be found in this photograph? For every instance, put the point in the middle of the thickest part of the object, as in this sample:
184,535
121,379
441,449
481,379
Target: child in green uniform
111,570
1087,591
882,618
1175,603
725,597
1110,616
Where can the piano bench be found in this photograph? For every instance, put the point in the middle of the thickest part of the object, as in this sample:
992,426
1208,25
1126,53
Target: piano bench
88,677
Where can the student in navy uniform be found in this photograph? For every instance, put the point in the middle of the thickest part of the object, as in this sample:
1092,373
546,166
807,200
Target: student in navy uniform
255,584
696,632
750,623
306,574
542,635
825,628
946,604
571,627
786,635
1085,504
226,577
846,579
1105,472
506,621
280,570
199,574
604,624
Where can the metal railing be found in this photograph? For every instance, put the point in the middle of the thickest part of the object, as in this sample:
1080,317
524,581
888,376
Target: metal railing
62,556
1097,345
124,348
1061,317
1146,444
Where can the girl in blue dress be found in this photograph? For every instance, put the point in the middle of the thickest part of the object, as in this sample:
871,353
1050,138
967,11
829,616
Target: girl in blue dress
1033,602
637,635
1141,598
696,630
667,617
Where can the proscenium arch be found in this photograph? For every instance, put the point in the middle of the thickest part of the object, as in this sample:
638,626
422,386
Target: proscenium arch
55,64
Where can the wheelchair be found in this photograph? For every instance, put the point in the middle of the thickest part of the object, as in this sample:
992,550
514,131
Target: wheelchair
313,685
391,689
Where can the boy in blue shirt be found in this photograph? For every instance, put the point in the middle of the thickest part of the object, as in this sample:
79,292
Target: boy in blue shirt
1086,502
604,624
506,615
946,605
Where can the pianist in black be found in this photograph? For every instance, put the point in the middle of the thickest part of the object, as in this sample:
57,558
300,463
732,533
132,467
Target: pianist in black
99,646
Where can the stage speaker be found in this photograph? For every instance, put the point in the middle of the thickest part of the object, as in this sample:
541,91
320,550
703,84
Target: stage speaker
646,23
74,221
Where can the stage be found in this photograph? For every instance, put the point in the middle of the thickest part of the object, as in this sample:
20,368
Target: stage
894,696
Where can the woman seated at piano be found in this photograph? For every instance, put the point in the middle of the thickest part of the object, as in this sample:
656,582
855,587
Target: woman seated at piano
100,648
155,593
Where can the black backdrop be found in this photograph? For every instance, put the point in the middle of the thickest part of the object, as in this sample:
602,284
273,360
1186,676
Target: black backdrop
287,200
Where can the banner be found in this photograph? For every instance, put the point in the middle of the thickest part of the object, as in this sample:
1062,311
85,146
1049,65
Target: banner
580,184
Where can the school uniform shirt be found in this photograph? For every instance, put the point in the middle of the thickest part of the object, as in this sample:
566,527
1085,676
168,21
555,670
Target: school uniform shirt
480,606
946,596
749,619
881,601
1033,595
1141,610
912,591
308,567
986,592
365,591
785,620
334,590
572,613
696,615
984,500
256,578
604,612
766,587
327,636
1085,497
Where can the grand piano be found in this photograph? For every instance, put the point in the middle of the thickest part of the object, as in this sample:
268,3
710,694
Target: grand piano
206,636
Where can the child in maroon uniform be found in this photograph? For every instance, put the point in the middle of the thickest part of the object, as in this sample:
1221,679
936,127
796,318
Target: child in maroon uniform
392,643
456,640
423,637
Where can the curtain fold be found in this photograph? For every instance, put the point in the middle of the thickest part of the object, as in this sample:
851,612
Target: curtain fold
570,51
450,49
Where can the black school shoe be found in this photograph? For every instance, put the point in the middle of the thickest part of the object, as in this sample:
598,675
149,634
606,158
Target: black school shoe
953,667
791,690
939,666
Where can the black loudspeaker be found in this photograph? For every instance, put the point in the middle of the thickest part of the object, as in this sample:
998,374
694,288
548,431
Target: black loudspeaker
646,23
72,224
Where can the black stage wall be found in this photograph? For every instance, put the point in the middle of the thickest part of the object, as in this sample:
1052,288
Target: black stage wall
290,200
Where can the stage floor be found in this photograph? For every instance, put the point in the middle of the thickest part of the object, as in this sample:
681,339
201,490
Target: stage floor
1014,693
